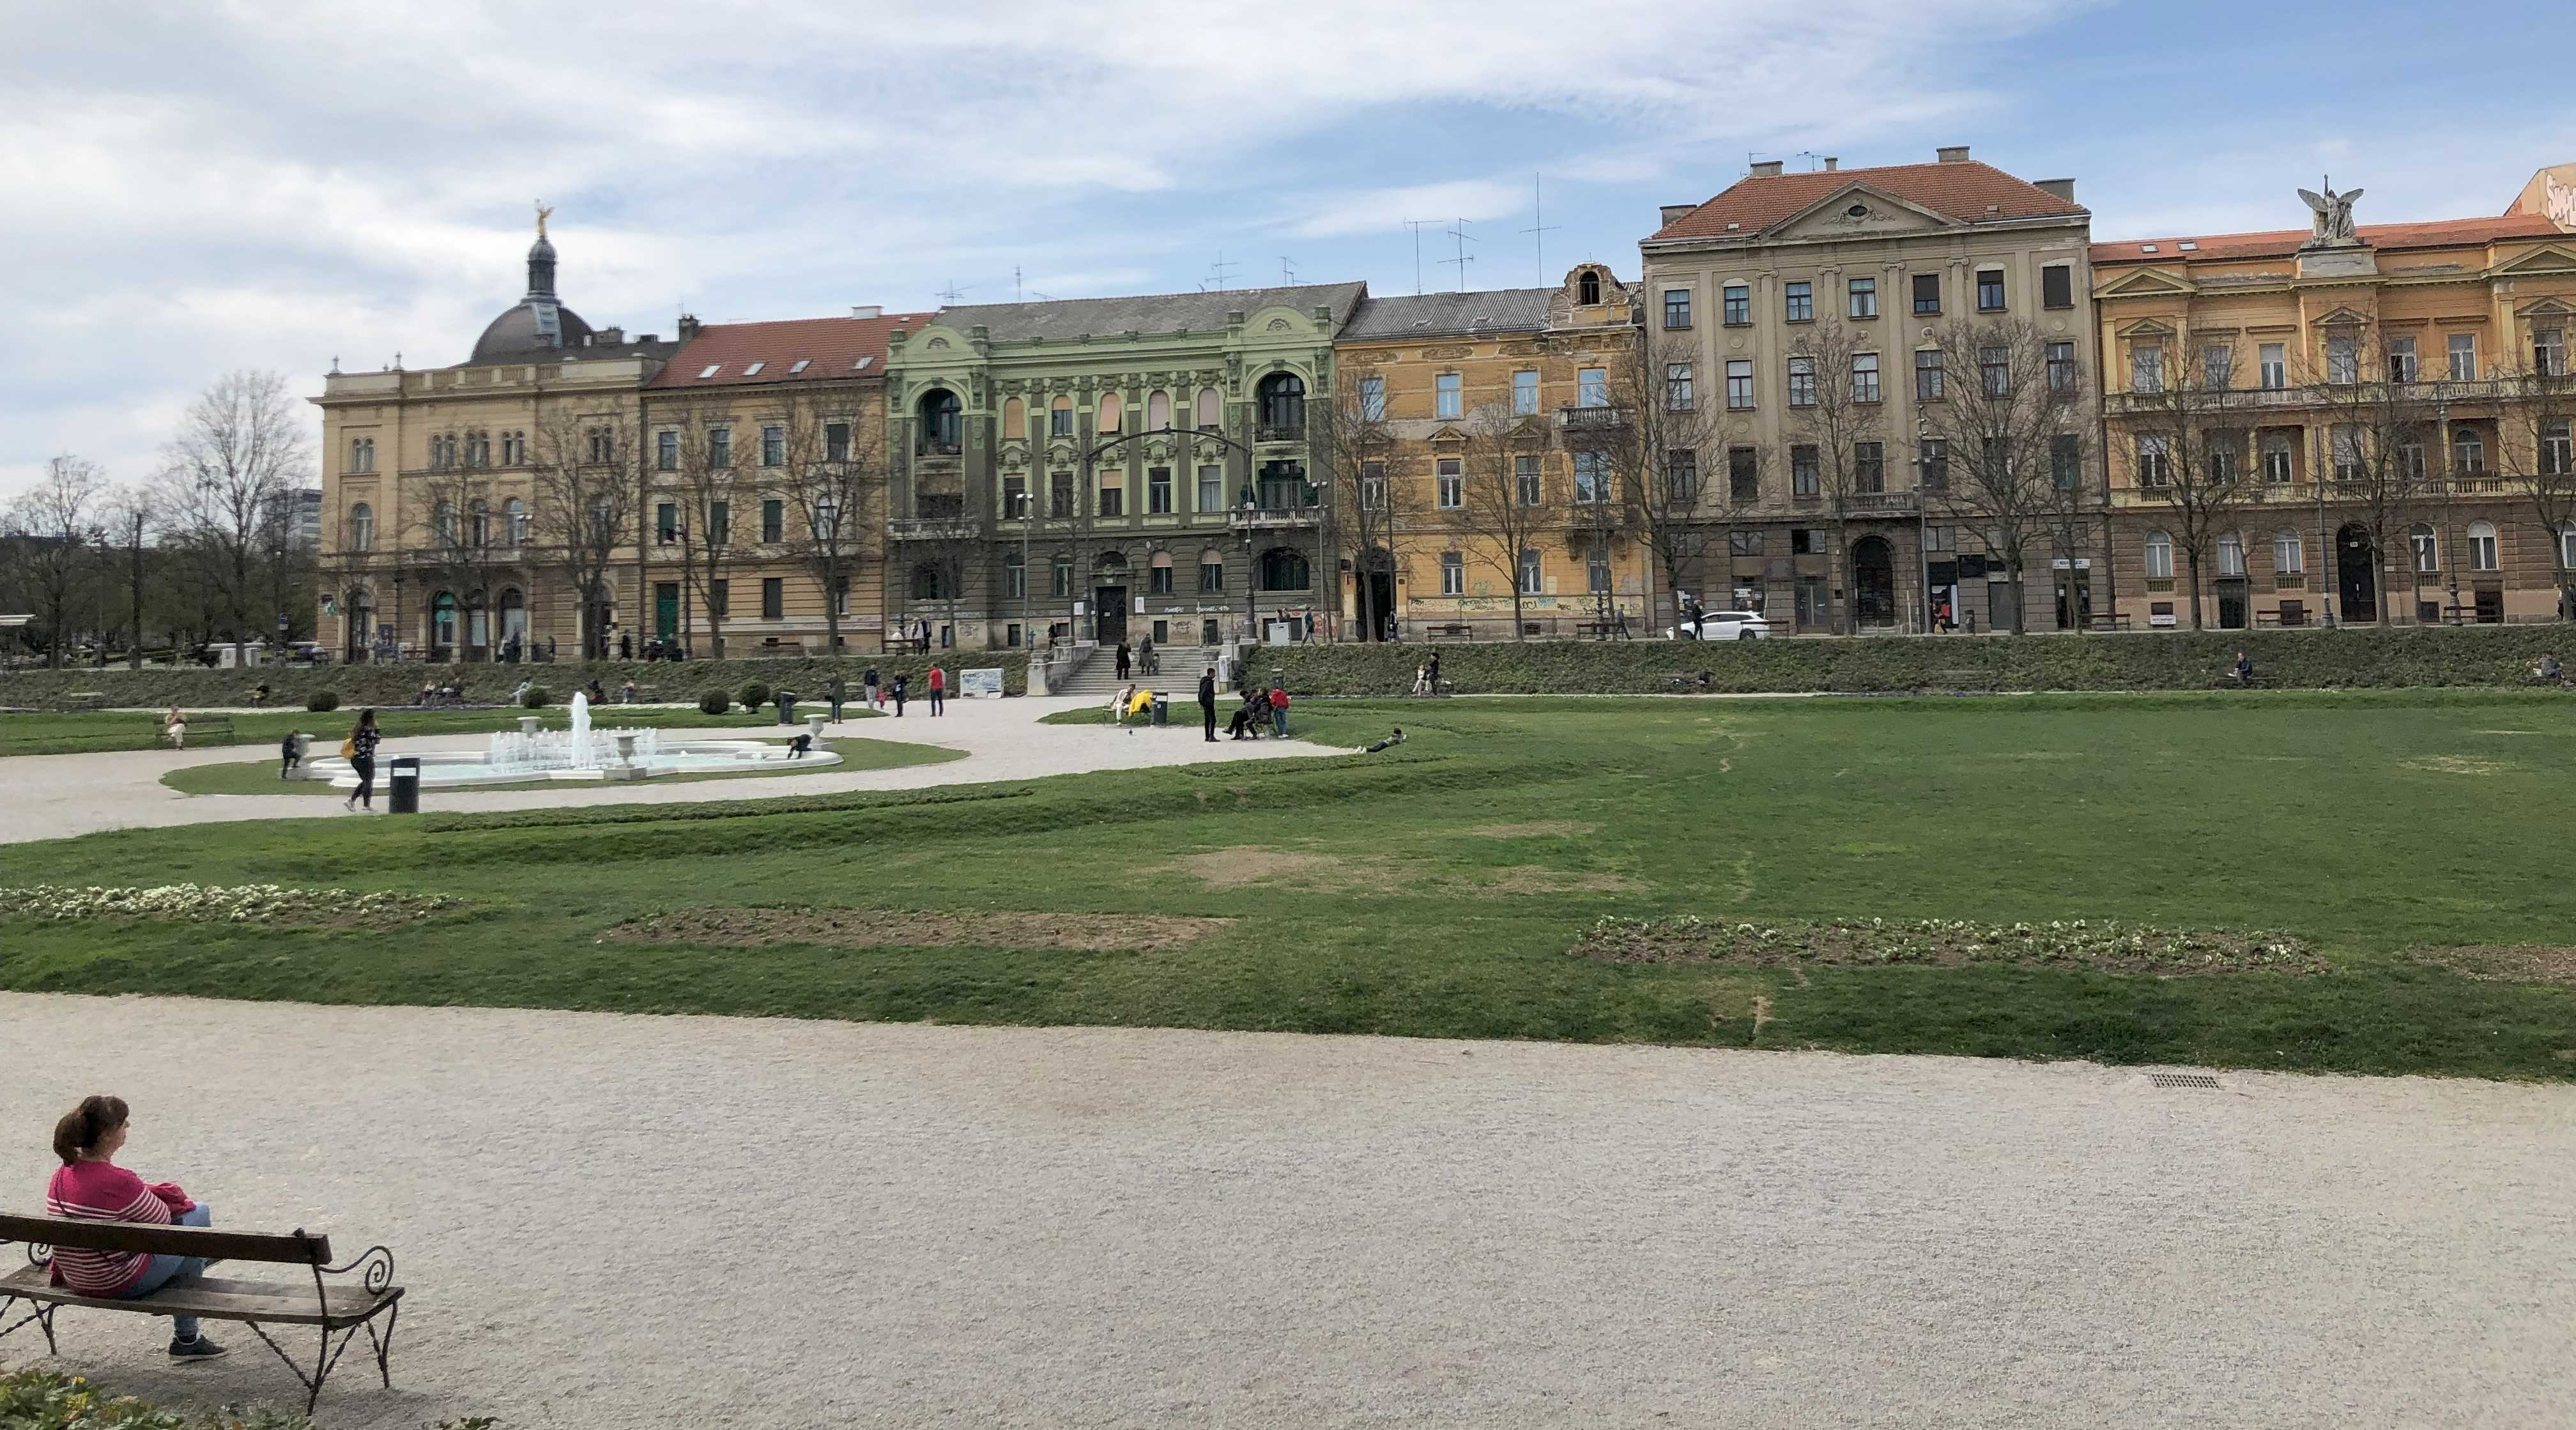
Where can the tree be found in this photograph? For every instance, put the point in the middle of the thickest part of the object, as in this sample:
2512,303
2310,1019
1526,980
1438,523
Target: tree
1502,497
2535,406
583,479
126,530
1657,456
1832,411
57,551
1372,498
2378,419
2005,444
459,543
240,451
2188,445
837,492
706,484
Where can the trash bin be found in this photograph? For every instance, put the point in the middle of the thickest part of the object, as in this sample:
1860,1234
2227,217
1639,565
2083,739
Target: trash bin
1162,707
403,785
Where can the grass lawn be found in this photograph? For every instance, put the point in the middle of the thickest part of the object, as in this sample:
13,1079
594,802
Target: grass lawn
100,731
1436,889
260,776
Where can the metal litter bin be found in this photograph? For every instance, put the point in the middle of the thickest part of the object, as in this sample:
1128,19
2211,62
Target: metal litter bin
1162,707
403,785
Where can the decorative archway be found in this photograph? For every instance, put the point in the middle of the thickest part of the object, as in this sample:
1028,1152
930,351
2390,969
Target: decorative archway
1873,574
1283,568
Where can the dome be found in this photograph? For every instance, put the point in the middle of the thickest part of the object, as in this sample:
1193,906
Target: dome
537,327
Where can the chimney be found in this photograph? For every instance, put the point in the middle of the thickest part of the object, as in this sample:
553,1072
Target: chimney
1767,169
1953,153
1832,163
611,337
688,327
1673,213
867,310
650,338
2062,188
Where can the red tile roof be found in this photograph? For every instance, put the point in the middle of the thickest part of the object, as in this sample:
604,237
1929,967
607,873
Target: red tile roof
829,348
2281,243
1962,191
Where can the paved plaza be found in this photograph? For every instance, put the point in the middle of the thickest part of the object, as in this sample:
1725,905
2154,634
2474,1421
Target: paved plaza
54,796
610,1221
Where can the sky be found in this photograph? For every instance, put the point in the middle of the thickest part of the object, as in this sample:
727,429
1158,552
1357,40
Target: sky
192,188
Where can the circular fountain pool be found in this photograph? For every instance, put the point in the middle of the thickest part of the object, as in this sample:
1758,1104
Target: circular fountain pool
516,757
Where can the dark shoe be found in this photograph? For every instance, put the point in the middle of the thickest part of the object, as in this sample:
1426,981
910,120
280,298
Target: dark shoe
198,1349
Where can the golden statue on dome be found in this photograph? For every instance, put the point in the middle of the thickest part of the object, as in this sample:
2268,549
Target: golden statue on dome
542,213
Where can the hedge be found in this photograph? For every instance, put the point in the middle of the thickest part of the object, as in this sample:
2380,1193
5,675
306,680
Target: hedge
195,687
2489,656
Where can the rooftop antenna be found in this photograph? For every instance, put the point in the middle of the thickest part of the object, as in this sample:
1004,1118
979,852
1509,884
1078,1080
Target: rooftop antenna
1287,270
1459,232
1539,228
952,292
1814,159
1416,224
1220,271
1015,283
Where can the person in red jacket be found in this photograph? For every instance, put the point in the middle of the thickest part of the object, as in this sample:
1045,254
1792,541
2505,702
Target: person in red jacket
1279,709
938,691
89,1186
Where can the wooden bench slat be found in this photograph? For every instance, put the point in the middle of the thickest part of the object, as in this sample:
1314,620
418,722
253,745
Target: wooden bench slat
213,1244
219,1299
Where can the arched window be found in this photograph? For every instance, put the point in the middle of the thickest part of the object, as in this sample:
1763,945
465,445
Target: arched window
362,527
1110,564
1113,414
2289,553
925,584
1015,419
2482,546
443,522
442,619
514,616
1283,404
1158,412
941,423
1533,574
1283,568
2159,556
2231,554
2567,545
478,523
1159,581
1587,289
478,620
1211,570
1060,416
2428,550
516,511
1211,410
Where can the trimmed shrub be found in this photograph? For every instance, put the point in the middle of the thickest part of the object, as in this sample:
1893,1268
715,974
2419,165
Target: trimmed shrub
364,684
321,700
754,695
715,702
535,699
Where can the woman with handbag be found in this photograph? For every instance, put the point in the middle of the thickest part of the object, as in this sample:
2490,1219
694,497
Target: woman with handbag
360,751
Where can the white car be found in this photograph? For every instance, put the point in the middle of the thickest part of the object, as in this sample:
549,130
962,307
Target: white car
1723,626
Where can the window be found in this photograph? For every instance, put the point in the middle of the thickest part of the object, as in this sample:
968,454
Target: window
773,598
1927,377
826,522
1864,377
2231,554
1801,302
1739,384
1158,578
2428,550
2468,451
1373,487
1927,292
1060,417
603,446
1158,411
2276,366
1940,538
1282,396
2289,553
1739,305
666,451
773,520
362,454
719,446
1525,476
1802,471
1447,402
2159,556
2464,357
1211,410
1060,575
362,527
720,598
1015,498
836,441
1059,495
2057,286
666,523
1533,574
1863,296
773,446
1112,417
1453,487
2557,449
2217,367
1591,478
2567,546
478,524
1990,290
2410,460
2220,460
1678,396
1676,308
1869,467
2061,367
2343,358
2146,368
1596,570
719,523
1592,387
1113,501
1587,289
1211,571
514,519
1158,491
1211,488
2401,360
2155,462
841,590
1372,399
2066,461
2346,443
1283,568
1681,478
1994,371
1015,575
1524,393
1453,574
2549,352
2276,457
1802,382
1743,474
1936,465
1743,542
1805,541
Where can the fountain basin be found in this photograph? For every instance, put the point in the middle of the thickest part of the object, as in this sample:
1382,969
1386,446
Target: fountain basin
515,760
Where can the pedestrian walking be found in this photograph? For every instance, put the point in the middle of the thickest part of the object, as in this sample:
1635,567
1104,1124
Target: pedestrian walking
1279,709
1207,704
1125,666
360,751
837,691
626,646
938,691
868,687
1145,657
290,755
1433,674
898,692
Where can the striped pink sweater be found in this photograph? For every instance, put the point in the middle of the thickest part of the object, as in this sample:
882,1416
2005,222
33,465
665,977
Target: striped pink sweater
102,1191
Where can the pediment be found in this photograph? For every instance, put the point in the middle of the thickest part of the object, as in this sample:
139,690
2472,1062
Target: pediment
2149,328
1860,208
2546,308
2548,258
2346,317
2146,282
1447,433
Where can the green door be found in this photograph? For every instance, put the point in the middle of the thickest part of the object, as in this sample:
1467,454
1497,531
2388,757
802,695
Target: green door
666,609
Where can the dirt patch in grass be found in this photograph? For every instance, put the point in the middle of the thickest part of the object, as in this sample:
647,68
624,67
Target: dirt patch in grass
2460,765
1244,865
1944,943
2505,962
1562,829
894,928
1539,879
1247,865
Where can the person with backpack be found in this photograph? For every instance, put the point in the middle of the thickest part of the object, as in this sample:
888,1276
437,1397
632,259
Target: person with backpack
360,751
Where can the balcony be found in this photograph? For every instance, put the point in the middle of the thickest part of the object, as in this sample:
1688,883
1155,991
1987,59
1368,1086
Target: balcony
1591,418
1273,518
1291,429
1880,504
935,528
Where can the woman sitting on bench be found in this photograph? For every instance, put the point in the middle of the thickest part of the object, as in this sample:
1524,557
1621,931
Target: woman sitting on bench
89,1186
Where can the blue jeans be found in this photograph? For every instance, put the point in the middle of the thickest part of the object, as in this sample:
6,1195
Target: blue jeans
1279,722
165,1269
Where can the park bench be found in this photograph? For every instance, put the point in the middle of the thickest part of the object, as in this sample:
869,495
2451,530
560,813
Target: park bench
1963,682
210,730
82,700
340,1310
1447,633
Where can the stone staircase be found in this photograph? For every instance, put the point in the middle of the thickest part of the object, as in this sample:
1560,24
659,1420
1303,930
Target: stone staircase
1097,677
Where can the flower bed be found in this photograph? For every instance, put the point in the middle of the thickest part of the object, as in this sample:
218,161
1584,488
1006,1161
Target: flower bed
2097,944
218,903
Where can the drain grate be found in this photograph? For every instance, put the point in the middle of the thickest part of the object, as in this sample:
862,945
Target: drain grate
2182,1080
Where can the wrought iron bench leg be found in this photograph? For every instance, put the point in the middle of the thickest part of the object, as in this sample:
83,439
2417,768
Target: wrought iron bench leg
384,1344
42,1315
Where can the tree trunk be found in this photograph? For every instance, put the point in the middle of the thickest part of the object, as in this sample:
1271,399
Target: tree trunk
2191,563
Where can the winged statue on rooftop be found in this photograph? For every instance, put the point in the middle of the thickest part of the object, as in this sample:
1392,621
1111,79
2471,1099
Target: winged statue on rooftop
2333,212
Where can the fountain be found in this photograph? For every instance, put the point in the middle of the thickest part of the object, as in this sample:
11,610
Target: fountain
579,752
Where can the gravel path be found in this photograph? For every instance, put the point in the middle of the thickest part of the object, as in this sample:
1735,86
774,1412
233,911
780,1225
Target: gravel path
614,1222
53,796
